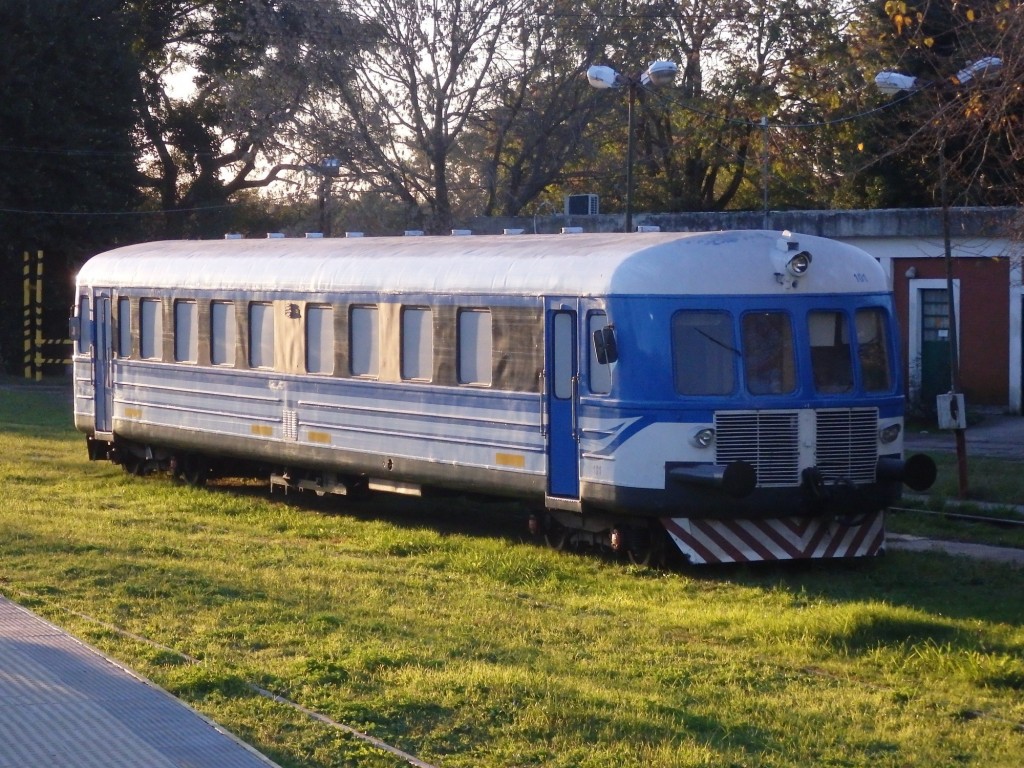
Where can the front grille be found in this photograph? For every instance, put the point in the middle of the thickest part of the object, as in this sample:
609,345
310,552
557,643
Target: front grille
847,444
841,442
767,440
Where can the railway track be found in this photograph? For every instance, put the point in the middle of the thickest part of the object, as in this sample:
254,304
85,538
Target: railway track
986,519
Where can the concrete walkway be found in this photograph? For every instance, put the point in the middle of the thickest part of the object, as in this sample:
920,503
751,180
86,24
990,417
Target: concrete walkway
65,705
997,435
1008,555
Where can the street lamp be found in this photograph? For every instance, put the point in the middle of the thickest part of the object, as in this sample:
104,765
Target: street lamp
658,74
892,83
328,169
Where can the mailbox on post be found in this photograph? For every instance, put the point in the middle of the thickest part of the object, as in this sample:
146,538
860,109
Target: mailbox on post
951,410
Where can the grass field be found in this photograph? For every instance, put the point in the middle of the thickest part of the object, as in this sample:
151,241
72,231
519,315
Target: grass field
435,628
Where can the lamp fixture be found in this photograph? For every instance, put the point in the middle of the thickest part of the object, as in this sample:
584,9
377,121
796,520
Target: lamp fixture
659,73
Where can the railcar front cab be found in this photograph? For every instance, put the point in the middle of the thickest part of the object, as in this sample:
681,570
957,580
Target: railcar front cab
802,393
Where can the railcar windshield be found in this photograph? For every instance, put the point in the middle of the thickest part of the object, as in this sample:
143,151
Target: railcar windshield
873,349
831,363
704,352
768,353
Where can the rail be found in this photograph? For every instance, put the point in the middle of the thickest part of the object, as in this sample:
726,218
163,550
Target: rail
960,516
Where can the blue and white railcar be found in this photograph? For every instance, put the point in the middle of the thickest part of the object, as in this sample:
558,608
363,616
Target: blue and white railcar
739,390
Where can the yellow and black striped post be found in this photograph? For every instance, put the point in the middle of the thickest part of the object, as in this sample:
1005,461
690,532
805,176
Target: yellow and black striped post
37,320
32,302
27,295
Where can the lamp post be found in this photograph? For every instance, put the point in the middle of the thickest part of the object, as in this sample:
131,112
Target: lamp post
327,169
892,83
658,74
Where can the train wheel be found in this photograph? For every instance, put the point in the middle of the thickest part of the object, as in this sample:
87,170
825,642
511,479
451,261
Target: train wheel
134,465
195,470
557,536
646,546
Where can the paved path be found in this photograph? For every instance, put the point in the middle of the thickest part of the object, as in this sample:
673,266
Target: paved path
65,705
997,436
1007,555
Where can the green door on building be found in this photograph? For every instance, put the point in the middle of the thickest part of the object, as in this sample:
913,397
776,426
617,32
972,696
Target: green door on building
935,370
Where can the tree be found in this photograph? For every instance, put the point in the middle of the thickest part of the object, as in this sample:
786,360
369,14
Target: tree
538,116
67,160
251,67
398,114
700,145
973,117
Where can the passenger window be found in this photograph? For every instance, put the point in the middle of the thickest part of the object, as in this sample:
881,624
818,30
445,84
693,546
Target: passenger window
186,332
124,327
704,352
831,363
261,335
319,339
364,341
600,374
873,350
417,343
151,329
564,353
222,333
475,346
768,353
84,325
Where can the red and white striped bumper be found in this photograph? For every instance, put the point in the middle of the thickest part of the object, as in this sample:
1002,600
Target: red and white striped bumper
783,538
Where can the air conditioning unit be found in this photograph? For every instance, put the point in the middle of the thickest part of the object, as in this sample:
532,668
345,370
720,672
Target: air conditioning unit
581,205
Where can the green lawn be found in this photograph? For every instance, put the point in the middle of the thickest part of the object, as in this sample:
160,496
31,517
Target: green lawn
434,627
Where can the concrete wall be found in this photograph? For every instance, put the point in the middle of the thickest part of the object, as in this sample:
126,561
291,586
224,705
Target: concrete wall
897,222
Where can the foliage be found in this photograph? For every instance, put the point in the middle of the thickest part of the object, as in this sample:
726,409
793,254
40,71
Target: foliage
449,110
431,626
398,115
66,153
971,120
248,68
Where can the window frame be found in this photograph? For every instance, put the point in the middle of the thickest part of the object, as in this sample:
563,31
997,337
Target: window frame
481,354
416,343
186,334
728,351
259,335
151,329
599,375
228,340
752,348
364,348
324,338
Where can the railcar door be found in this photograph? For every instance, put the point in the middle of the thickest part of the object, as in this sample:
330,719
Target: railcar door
562,400
102,353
